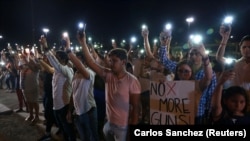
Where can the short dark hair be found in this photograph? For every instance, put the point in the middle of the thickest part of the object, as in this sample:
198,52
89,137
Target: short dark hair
80,54
235,90
62,55
245,38
119,52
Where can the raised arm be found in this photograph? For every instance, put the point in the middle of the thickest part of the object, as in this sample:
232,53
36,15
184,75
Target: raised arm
221,50
76,61
100,70
145,33
207,67
217,95
163,53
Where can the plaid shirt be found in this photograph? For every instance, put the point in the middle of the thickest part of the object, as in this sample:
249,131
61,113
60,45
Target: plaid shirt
205,100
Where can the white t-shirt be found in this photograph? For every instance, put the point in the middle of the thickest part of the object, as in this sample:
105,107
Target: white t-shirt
83,92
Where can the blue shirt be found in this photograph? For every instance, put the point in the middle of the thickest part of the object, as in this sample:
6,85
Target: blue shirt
205,100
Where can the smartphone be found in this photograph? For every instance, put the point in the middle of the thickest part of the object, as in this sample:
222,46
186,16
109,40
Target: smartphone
81,29
226,26
63,41
227,22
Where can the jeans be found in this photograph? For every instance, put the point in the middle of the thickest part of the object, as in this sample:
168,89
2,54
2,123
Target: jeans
87,125
67,128
114,132
48,111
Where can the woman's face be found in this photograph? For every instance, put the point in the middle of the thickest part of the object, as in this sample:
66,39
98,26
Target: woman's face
236,103
195,57
184,72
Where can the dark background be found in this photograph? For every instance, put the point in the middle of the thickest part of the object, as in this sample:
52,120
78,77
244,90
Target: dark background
21,21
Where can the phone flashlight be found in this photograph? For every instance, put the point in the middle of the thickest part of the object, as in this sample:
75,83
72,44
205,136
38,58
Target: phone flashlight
27,50
65,34
144,27
229,64
168,26
227,22
195,40
81,28
63,42
45,31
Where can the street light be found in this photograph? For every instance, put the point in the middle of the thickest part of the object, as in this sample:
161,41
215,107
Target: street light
1,36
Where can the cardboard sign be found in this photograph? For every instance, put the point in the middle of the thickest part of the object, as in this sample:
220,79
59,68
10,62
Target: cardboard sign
172,103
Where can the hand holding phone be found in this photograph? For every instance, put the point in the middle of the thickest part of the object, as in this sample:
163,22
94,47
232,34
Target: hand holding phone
81,29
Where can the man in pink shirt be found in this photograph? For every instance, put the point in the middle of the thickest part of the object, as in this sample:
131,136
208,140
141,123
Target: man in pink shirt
122,91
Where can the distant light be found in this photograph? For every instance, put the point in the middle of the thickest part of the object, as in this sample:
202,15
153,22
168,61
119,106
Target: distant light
89,39
190,19
77,49
112,40
1,36
45,30
142,51
2,63
155,40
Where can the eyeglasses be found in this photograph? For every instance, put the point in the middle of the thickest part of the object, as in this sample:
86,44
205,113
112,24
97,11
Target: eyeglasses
184,71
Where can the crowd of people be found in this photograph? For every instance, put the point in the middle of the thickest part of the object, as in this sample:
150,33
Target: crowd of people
97,96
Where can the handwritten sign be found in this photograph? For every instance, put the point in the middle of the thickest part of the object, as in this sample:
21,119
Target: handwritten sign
172,103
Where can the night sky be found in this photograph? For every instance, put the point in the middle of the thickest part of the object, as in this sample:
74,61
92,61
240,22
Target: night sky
22,20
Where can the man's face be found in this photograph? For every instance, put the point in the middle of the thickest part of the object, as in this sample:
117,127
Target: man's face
245,49
116,64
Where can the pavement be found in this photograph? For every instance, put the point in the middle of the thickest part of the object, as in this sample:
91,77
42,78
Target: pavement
13,124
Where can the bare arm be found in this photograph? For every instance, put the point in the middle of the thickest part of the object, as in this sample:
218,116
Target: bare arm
47,67
217,95
88,58
221,50
77,63
135,108
145,33
207,67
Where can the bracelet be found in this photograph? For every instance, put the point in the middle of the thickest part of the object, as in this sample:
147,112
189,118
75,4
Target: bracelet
68,51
